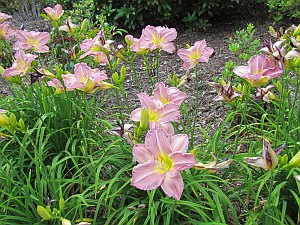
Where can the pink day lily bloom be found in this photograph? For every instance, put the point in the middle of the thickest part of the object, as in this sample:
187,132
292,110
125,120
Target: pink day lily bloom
259,71
4,17
5,31
269,159
170,95
158,113
158,38
133,44
96,47
32,40
69,26
85,78
199,52
21,64
54,13
57,84
161,159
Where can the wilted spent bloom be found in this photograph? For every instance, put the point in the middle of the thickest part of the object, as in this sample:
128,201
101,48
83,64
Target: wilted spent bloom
260,70
199,52
265,94
275,50
5,31
269,159
124,131
226,92
21,64
54,13
32,40
158,38
161,159
214,166
4,17
69,26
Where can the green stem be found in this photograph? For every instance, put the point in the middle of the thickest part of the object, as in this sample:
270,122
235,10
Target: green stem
269,201
132,65
157,52
196,106
146,61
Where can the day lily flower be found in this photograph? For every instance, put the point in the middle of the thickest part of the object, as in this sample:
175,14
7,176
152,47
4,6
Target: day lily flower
265,94
5,31
96,47
21,64
199,52
157,112
85,79
214,166
269,159
57,84
225,92
161,159
169,95
259,71
69,26
133,44
4,17
158,38
54,13
32,40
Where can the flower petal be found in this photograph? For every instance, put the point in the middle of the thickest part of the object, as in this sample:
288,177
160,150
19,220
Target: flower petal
173,185
141,153
179,143
145,177
182,161
157,142
136,115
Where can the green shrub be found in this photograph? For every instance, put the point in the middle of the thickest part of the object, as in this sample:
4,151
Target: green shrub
281,9
137,13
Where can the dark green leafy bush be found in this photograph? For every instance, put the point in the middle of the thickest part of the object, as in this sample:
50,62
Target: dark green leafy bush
137,13
281,9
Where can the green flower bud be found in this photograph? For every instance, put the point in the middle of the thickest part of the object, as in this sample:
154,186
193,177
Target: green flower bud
43,213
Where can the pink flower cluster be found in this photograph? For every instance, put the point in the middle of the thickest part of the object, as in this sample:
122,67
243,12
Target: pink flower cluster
5,31
260,70
95,47
26,41
153,38
84,79
163,155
